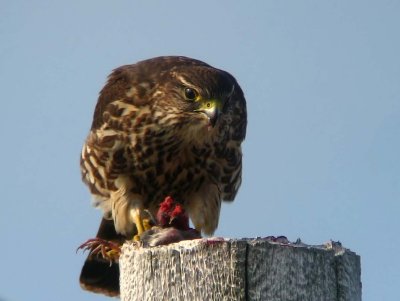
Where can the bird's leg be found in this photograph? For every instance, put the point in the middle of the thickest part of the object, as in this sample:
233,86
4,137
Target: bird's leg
142,224
138,222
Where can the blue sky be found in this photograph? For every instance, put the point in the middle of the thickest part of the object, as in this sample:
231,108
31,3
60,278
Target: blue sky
321,158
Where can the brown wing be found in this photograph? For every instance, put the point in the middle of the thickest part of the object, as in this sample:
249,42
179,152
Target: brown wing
230,151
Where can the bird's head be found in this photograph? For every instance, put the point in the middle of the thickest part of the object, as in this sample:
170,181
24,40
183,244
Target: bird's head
204,92
197,97
183,98
172,214
179,218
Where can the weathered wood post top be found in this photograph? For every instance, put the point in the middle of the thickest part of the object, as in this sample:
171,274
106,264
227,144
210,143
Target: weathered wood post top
240,269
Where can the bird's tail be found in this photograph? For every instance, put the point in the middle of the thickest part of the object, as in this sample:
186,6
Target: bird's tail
99,275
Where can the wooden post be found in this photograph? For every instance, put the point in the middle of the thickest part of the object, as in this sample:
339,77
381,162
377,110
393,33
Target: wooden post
240,269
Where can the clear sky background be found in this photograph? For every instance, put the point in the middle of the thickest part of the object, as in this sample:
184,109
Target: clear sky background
321,158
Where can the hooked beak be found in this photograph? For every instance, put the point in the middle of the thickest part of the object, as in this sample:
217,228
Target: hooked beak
212,108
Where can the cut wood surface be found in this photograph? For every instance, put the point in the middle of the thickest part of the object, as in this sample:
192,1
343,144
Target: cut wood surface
240,269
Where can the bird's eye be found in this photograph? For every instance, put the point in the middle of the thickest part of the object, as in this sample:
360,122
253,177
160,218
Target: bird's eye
190,94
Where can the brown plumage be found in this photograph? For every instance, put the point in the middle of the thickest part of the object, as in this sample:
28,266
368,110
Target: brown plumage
168,126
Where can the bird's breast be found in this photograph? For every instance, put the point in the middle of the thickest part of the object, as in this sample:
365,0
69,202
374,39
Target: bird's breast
166,165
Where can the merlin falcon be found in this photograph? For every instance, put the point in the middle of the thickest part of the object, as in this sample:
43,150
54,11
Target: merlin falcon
166,126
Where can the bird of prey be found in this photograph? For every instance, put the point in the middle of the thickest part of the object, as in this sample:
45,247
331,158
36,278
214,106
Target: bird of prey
166,126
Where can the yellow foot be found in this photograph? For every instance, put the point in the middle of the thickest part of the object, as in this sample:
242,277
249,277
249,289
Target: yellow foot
113,254
108,250
147,224
142,224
